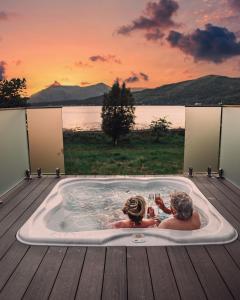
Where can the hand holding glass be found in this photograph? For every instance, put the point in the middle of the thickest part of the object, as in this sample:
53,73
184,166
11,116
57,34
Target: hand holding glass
159,201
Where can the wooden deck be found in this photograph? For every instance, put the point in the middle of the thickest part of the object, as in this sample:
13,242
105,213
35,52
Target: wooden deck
41,272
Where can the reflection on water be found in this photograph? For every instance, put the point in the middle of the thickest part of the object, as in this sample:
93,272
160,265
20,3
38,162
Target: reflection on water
89,117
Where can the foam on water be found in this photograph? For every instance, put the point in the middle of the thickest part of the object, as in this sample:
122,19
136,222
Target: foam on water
91,206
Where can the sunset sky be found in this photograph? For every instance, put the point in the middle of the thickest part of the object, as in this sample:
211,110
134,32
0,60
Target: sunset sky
147,44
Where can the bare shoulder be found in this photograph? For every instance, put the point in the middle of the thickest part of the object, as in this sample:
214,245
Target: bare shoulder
119,224
196,220
196,214
149,222
166,224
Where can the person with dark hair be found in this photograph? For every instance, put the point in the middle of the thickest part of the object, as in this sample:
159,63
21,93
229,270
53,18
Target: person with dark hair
184,217
135,208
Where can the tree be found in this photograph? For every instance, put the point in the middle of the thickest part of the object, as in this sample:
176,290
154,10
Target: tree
118,112
160,128
12,92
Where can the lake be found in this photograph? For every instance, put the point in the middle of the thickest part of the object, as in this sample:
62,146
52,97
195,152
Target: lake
89,117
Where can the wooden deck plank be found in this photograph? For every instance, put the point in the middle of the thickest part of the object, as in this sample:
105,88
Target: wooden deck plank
66,284
222,198
21,278
163,281
10,236
13,192
43,280
209,194
230,186
227,268
10,261
139,278
91,281
211,280
185,275
6,223
14,199
234,250
227,192
115,275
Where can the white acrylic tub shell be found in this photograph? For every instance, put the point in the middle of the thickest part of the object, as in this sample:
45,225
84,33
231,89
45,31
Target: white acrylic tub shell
217,230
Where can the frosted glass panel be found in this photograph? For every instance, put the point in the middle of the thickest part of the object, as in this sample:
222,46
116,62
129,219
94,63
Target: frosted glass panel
45,139
13,148
230,144
202,138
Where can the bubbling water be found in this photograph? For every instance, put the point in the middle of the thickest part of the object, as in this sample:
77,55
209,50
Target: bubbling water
94,205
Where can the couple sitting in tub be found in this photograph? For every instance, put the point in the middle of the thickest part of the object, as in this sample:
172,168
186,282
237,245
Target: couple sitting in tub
183,215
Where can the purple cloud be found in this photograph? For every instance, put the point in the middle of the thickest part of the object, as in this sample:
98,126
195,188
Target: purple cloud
81,64
144,76
235,4
214,44
5,16
154,35
95,58
132,79
103,58
156,18
2,69
135,77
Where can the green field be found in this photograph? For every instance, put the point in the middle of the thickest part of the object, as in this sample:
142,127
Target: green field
92,153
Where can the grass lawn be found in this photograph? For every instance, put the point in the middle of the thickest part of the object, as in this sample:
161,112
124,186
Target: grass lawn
92,153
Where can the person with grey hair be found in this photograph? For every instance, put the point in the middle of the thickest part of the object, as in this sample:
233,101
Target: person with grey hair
184,217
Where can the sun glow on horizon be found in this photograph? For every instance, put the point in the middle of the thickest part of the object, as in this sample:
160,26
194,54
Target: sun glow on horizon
86,43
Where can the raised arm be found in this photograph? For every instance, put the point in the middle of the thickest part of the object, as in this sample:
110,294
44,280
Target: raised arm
161,205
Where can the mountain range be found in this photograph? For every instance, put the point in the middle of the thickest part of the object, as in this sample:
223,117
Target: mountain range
59,94
207,90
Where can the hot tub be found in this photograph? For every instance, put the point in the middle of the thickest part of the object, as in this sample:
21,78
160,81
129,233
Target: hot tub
78,211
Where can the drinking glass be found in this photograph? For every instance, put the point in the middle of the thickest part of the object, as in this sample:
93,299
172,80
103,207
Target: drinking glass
151,200
157,195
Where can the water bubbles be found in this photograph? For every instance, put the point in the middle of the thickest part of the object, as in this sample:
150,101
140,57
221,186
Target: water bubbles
91,205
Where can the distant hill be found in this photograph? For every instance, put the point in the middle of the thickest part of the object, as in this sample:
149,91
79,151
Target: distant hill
59,94
211,89
207,90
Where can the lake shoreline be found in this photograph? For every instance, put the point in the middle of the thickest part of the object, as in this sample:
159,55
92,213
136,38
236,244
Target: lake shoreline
88,118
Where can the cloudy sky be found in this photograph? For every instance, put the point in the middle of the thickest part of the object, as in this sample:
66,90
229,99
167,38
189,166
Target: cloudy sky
145,43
